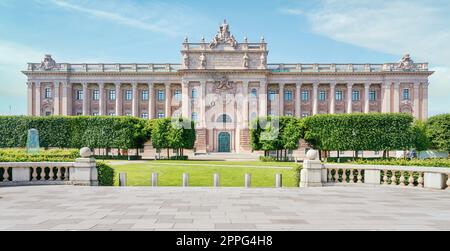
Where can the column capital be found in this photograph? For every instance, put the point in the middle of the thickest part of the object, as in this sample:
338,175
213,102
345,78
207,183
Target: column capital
281,84
299,85
426,84
101,84
396,84
167,85
118,85
185,83
134,84
316,84
367,85
150,85
37,84
351,84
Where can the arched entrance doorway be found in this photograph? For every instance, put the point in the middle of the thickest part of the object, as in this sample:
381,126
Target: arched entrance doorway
224,142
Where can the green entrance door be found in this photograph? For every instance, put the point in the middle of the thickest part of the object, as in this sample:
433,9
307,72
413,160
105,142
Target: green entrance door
224,142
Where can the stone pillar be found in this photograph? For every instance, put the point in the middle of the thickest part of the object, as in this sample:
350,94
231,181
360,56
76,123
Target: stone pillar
425,101
118,100
84,172
245,103
135,104
372,177
298,100
332,98
367,98
315,98
434,181
66,101
151,101
102,101
169,101
56,99
349,98
281,98
186,100
85,99
416,100
202,99
396,97
37,96
311,174
30,98
386,106
263,99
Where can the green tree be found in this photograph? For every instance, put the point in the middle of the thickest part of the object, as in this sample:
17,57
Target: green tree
421,141
438,131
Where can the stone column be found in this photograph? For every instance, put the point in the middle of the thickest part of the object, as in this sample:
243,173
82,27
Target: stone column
386,106
315,98
416,101
65,99
332,98
151,101
367,98
349,98
30,98
396,97
425,101
202,99
118,100
85,99
135,104
37,96
168,100
298,100
186,100
102,101
56,99
263,99
245,103
281,98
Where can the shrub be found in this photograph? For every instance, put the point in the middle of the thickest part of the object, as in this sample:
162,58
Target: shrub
105,174
52,155
179,158
267,159
403,162
438,131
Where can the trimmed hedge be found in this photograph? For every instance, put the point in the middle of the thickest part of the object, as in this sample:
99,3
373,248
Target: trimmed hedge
403,162
105,174
75,132
52,155
438,132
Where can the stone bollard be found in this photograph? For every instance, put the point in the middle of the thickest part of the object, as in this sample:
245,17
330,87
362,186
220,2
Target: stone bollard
154,179
185,179
278,180
84,172
123,179
311,175
248,180
216,180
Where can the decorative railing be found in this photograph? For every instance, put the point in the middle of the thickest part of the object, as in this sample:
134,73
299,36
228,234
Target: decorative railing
107,68
35,173
333,68
240,47
403,176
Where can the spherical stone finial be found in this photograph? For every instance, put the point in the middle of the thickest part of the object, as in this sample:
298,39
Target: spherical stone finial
312,154
85,152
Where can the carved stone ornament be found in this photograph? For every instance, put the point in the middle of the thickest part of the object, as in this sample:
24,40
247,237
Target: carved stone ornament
246,61
223,84
185,61
202,61
263,60
48,64
406,63
224,36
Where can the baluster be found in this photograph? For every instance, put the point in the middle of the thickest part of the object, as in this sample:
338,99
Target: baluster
393,179
385,178
411,179
336,176
42,173
67,174
330,175
360,177
344,175
34,175
5,174
58,174
448,180
402,178
51,174
420,180
352,176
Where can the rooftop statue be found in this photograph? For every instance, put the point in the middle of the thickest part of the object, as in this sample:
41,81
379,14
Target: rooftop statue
48,63
406,63
224,36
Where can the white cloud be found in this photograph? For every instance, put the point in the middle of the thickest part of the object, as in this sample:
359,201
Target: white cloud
395,27
155,17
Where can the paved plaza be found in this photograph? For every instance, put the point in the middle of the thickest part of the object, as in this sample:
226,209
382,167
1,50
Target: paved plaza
332,208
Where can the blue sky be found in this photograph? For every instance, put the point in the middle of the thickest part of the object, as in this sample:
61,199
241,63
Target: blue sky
298,31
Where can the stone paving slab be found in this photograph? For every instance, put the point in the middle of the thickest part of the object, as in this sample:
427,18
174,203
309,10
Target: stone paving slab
225,209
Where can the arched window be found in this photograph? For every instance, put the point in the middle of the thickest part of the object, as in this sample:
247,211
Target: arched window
194,94
224,118
254,93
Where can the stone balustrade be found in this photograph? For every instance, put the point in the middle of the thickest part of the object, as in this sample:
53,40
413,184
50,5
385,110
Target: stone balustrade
106,68
315,174
81,172
389,67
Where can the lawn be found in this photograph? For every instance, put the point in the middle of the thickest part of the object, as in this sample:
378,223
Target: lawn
201,173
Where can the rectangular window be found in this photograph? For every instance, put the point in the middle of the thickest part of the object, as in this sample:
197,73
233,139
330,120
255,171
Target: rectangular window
322,95
305,95
128,95
144,96
355,96
48,93
79,95
161,95
272,95
177,95
144,115
373,95
406,94
339,96
96,95
112,94
161,115
288,96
